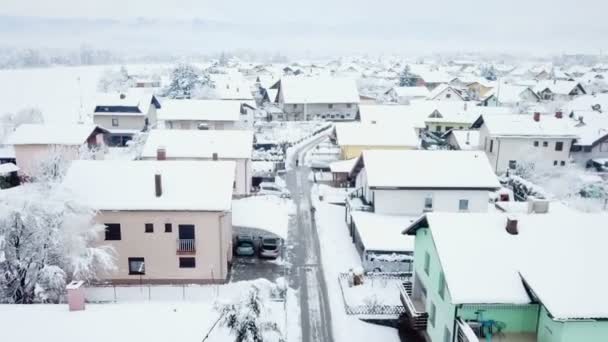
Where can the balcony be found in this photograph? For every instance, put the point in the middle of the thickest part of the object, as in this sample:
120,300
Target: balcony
186,246
471,331
414,307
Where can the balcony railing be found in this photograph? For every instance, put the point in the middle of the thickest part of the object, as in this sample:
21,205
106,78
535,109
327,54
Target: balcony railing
186,246
418,319
464,332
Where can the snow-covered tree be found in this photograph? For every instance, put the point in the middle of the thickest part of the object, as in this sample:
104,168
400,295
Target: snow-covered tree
187,81
46,240
247,319
54,165
10,121
406,78
114,80
488,72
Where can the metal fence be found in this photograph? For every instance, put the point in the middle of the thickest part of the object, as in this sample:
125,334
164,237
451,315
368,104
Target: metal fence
373,309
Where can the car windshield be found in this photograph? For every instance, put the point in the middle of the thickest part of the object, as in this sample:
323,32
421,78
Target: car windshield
270,242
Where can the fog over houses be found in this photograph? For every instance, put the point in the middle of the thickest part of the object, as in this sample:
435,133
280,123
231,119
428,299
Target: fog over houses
226,172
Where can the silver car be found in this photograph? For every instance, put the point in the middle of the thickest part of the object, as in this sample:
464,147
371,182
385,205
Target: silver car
270,248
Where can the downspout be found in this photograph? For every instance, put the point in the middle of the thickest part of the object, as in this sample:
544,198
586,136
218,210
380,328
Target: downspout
497,154
221,244
454,334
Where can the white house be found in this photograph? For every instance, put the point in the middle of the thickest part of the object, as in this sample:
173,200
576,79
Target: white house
559,90
392,115
35,143
509,140
417,181
463,139
356,137
329,98
201,114
234,145
510,95
124,114
404,95
445,92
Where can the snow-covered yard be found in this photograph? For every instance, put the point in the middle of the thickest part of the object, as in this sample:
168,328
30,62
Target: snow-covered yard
379,294
339,255
137,319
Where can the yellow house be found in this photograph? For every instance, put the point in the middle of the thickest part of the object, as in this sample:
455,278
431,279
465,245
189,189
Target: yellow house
356,137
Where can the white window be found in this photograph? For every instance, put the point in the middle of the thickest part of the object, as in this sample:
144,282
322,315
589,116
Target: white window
427,263
463,205
432,314
441,285
114,122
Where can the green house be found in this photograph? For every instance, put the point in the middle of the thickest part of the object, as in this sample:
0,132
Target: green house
506,277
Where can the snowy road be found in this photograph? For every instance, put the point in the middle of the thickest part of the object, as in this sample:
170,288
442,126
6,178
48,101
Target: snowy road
306,273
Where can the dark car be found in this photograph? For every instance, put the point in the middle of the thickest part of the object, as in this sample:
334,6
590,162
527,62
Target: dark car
270,248
244,245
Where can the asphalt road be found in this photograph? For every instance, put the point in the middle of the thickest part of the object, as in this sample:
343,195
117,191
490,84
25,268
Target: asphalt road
304,258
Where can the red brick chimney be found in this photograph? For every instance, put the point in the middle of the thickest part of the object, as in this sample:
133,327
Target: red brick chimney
536,116
559,114
161,153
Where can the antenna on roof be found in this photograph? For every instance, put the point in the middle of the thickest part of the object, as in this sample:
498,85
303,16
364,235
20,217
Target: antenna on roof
80,119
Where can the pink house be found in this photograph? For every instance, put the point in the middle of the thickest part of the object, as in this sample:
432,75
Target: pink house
36,142
169,221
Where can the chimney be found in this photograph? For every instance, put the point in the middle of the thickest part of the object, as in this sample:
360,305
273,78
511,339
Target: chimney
536,116
214,156
559,114
161,153
123,96
468,142
512,226
158,185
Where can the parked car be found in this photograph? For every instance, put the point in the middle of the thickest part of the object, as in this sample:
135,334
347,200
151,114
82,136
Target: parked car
270,248
267,188
244,245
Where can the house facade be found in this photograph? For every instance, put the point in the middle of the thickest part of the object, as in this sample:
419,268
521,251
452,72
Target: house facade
413,182
161,230
124,114
325,98
512,140
515,300
35,143
353,138
201,114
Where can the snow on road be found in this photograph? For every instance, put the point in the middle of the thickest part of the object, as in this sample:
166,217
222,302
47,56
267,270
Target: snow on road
339,255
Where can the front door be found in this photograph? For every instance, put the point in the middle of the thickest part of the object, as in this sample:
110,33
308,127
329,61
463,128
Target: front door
186,231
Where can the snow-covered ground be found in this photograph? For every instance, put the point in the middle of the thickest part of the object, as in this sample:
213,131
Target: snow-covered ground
134,319
269,213
339,255
63,94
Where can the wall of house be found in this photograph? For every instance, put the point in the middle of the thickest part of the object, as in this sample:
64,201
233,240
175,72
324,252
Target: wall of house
124,121
522,150
570,331
448,95
29,157
242,175
444,309
159,249
411,202
517,318
598,151
439,126
309,111
194,124
354,151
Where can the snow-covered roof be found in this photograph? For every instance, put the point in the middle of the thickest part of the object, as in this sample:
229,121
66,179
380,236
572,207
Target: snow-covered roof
383,232
231,87
7,168
509,93
403,115
545,246
592,130
428,169
524,125
200,110
130,185
191,144
438,90
556,86
411,91
51,134
586,103
137,100
466,139
300,89
358,134
7,152
342,166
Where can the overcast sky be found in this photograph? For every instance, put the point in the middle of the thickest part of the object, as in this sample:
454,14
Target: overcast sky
546,25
